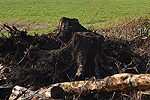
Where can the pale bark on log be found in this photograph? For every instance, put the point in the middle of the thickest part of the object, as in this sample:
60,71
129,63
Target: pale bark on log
123,82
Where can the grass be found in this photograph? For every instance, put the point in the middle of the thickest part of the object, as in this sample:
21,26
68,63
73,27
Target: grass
92,14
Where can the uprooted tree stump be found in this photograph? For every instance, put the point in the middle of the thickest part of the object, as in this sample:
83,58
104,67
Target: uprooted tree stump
75,59
70,53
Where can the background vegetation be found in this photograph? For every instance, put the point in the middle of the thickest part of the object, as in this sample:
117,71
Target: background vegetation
42,16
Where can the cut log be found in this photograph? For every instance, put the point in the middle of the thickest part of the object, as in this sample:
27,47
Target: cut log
124,82
21,93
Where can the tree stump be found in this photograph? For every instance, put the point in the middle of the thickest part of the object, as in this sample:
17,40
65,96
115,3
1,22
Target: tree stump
77,59
67,27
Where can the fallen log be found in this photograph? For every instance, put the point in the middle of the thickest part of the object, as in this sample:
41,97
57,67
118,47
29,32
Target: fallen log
124,82
21,93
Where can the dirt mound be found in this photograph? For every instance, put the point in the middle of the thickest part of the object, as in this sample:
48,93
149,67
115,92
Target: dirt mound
70,53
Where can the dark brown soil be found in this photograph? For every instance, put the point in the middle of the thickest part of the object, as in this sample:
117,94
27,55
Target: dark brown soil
70,53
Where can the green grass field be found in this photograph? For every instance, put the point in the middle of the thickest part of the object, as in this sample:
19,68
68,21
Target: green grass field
92,14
